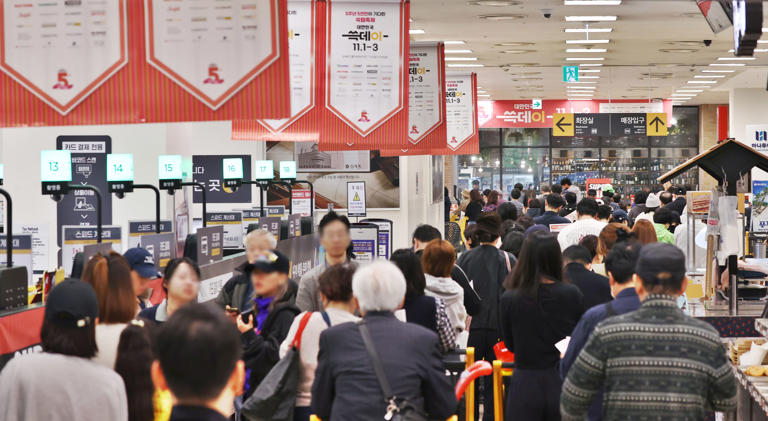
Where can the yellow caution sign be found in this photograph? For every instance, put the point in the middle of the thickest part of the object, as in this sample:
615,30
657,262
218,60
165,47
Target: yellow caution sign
656,124
562,125
357,197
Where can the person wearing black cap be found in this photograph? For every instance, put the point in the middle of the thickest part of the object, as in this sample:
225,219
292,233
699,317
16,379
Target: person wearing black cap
62,383
487,266
143,271
263,329
656,362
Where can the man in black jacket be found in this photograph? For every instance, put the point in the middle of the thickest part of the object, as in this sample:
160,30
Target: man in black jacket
679,202
596,288
237,292
346,385
553,205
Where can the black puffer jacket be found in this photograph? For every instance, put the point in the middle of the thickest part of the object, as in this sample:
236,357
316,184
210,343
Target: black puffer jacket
262,351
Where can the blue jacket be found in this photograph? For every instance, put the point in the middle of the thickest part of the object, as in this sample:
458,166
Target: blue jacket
626,301
550,217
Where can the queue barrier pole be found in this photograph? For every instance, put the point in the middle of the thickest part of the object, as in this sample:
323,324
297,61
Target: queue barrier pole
500,369
469,394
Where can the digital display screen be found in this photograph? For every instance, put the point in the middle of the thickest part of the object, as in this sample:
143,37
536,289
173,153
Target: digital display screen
169,167
264,170
120,167
55,166
288,170
232,168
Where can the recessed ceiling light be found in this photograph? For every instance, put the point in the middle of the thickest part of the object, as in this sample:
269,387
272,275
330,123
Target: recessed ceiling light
454,42
735,58
463,65
588,30
718,71
587,41
415,31
590,65
592,2
516,51
589,77
461,59
513,44
708,76
458,51
585,50
584,58
590,18
678,50
702,82
503,17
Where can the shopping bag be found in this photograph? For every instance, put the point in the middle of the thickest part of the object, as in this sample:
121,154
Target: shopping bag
275,397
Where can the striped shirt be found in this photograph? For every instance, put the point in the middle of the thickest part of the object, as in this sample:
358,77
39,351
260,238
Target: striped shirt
655,363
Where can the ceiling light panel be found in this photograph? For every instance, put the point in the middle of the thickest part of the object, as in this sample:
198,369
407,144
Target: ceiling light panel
461,59
415,31
458,51
587,41
454,42
592,2
590,18
588,30
463,65
585,50
584,58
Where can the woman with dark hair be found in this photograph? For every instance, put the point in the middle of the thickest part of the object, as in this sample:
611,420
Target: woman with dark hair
181,282
537,311
420,308
475,206
493,201
590,243
335,286
133,364
110,277
62,383
487,266
535,208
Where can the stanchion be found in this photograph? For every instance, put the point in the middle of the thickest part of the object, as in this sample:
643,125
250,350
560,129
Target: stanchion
498,387
469,394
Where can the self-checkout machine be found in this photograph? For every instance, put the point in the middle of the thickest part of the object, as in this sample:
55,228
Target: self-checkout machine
727,232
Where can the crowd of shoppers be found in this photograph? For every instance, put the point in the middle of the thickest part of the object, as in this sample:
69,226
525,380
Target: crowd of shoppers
373,338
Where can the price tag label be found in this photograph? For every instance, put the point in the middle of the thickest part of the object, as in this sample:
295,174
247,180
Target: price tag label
288,170
169,167
232,168
55,166
264,170
120,167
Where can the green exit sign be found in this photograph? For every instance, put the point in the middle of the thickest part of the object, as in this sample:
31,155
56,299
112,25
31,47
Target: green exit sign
570,73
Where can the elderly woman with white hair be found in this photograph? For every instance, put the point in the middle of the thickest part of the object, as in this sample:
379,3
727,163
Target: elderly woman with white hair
346,383
235,296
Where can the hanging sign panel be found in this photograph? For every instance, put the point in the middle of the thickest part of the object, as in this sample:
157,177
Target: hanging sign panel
461,113
63,51
366,85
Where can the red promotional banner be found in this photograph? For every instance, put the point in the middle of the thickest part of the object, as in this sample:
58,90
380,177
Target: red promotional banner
306,26
463,136
523,114
426,102
121,65
366,74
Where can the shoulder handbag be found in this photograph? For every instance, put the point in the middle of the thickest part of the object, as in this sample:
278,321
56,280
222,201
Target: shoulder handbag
275,397
402,411
444,328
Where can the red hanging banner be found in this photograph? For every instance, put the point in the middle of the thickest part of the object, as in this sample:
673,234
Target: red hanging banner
426,102
366,75
306,29
461,110
77,63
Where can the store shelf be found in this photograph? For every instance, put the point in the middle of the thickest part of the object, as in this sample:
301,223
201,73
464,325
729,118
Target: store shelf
756,386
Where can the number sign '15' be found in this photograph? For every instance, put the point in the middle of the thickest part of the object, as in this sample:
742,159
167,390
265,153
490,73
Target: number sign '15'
119,167
169,167
265,170
232,168
55,166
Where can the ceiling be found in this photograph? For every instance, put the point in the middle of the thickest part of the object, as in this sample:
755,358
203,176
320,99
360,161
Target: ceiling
654,49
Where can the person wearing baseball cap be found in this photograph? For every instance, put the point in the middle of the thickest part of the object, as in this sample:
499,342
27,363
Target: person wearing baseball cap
68,338
263,329
143,271
632,355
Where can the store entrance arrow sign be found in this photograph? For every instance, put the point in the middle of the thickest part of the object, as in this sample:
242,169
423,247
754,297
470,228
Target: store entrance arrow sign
570,73
656,124
563,125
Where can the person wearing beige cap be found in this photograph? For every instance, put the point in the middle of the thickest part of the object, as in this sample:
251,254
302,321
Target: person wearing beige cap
651,204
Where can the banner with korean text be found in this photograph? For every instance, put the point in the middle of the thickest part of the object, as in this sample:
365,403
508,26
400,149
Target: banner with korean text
461,112
366,74
426,101
306,34
142,61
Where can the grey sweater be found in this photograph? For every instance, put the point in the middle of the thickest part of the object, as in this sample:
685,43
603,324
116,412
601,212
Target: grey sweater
308,297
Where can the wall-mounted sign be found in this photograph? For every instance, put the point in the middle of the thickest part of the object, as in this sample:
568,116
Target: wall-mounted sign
356,199
208,170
